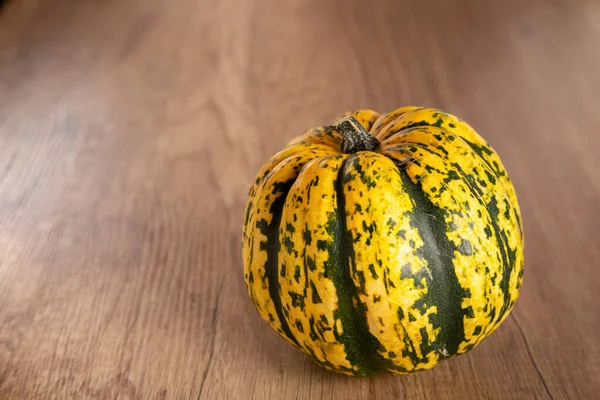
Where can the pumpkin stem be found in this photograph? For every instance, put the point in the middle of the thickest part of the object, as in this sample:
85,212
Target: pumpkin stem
355,137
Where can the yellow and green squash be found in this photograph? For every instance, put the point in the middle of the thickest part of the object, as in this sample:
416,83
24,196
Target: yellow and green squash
384,242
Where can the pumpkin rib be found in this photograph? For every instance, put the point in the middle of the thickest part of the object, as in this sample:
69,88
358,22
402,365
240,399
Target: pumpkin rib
412,119
262,233
514,210
272,266
502,178
325,136
508,265
383,243
508,259
465,132
263,176
508,255
360,343
479,300
505,183
265,172
428,117
385,119
444,289
307,286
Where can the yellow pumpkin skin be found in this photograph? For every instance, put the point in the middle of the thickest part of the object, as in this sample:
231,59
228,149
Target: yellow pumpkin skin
390,259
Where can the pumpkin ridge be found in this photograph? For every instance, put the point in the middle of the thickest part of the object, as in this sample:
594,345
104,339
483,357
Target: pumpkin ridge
464,132
486,165
508,258
387,118
269,186
272,264
445,291
361,346
308,298
415,124
508,255
478,149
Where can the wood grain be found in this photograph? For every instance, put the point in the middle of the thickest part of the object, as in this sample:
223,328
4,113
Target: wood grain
130,132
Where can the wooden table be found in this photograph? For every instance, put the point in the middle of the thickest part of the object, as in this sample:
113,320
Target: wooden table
130,132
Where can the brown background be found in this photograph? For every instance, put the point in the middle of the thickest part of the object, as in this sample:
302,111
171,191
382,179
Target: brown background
131,130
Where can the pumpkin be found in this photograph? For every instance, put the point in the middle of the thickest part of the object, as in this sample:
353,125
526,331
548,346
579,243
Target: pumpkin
384,242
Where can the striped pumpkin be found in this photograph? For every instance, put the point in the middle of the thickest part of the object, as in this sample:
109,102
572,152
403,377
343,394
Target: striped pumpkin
385,242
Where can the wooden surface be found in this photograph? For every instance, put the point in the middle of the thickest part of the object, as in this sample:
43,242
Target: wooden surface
130,132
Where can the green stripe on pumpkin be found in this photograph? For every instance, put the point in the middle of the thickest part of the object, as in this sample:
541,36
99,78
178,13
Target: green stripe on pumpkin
478,189
273,245
444,290
361,346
